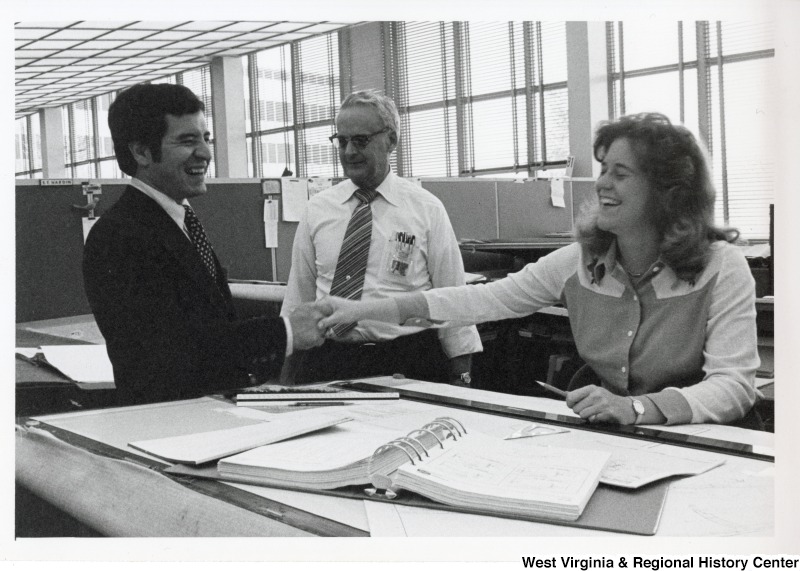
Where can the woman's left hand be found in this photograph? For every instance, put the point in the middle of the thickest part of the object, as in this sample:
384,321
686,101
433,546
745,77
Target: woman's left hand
597,404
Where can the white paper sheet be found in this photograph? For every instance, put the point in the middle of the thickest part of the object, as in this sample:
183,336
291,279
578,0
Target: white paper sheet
557,192
384,520
271,223
294,195
81,363
200,447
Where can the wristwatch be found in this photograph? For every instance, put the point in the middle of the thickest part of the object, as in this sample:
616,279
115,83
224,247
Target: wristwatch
638,408
463,378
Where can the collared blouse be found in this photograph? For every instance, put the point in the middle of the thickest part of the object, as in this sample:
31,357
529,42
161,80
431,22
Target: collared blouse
689,347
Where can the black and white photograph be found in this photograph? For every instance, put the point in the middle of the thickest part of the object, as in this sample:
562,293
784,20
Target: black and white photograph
491,285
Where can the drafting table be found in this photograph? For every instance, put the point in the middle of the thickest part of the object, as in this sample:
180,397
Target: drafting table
80,463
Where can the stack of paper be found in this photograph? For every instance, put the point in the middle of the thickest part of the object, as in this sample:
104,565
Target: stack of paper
492,475
325,460
201,447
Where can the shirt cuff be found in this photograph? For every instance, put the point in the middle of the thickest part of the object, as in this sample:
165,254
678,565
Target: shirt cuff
289,344
673,405
457,341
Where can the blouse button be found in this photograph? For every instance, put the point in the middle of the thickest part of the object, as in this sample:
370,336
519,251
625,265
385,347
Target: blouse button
630,333
635,298
624,369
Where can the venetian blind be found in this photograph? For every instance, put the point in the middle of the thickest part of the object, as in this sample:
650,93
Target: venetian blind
481,97
28,147
21,147
425,94
725,97
316,88
82,139
199,81
742,87
270,112
107,166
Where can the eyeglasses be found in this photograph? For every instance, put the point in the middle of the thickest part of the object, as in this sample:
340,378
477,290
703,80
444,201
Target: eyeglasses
360,141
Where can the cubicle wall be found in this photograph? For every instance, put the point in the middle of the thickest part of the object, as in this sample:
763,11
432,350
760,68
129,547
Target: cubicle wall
502,209
49,245
49,235
49,239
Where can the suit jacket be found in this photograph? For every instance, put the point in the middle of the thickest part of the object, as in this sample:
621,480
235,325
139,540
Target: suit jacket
170,330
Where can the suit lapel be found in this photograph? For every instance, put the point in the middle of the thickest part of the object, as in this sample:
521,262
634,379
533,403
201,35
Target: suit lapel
148,213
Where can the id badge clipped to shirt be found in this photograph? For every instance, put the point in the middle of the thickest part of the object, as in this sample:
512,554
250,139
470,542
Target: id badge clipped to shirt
399,261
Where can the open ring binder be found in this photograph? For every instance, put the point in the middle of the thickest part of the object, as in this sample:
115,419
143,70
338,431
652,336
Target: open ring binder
443,464
415,436
441,461
481,472
382,482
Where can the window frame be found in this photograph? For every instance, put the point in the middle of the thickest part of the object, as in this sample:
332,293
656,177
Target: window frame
534,90
710,62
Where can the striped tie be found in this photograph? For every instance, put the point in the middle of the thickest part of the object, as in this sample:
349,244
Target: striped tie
200,241
348,281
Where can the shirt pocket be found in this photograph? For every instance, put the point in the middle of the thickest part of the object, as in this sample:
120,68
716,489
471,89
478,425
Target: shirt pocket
399,259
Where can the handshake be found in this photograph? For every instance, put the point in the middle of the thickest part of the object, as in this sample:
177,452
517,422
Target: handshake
311,321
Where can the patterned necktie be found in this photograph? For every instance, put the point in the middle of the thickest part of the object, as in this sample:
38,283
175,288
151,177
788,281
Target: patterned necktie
348,280
200,241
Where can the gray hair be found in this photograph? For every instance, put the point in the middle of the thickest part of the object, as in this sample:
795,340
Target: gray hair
384,105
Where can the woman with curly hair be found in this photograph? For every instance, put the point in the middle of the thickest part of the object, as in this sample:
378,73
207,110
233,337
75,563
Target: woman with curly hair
661,305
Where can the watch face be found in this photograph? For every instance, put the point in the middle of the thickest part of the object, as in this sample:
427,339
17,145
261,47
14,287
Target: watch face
638,406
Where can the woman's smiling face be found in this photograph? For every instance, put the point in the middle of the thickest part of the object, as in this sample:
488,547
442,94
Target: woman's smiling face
624,193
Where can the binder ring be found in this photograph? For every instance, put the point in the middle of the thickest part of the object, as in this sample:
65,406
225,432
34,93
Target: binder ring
410,440
431,432
397,444
445,425
403,441
453,421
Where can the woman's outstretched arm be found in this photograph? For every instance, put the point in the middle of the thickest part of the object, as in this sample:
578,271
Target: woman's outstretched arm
391,310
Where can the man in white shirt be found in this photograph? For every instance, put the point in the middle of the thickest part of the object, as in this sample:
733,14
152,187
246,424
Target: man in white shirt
412,247
156,288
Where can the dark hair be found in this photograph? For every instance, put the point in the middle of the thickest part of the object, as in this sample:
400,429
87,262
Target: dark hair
138,115
676,167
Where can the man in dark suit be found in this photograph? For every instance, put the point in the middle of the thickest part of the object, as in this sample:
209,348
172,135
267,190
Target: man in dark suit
157,290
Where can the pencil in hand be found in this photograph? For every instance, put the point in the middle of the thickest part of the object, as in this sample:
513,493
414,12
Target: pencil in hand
552,389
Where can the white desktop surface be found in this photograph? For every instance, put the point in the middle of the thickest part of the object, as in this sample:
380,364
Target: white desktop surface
697,506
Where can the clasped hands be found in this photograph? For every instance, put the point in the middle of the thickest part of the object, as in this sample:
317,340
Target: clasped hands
310,321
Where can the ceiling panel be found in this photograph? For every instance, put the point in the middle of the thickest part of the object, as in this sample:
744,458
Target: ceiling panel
51,58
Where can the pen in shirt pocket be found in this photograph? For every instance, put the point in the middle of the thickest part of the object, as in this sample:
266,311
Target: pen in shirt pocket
405,238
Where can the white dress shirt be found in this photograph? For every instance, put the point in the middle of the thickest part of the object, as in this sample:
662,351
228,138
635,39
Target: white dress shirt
402,209
176,211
